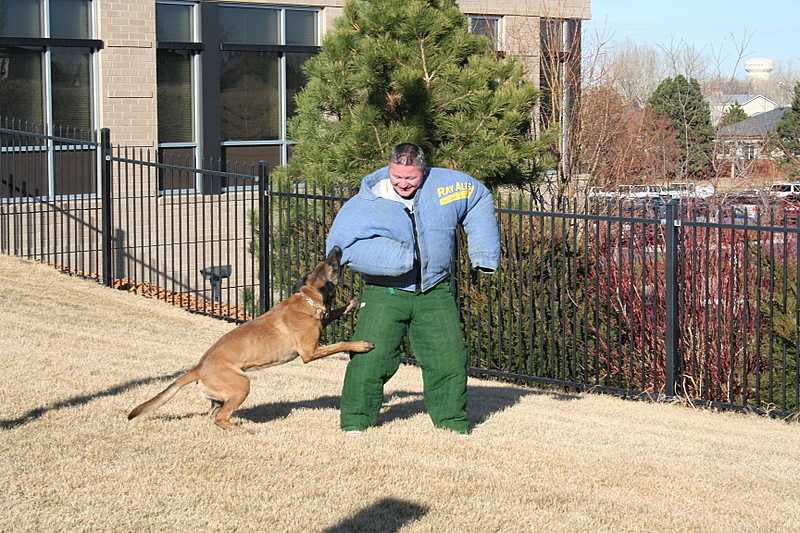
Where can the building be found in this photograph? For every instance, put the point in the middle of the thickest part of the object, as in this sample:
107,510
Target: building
752,104
745,145
183,84
214,80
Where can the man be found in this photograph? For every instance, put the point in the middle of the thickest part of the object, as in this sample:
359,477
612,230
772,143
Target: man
399,232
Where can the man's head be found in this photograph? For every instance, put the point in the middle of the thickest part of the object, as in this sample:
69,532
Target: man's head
407,168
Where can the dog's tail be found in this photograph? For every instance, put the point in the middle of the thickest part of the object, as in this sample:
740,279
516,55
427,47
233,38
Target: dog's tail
164,396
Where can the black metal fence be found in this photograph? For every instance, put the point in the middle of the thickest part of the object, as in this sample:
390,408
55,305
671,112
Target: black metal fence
696,299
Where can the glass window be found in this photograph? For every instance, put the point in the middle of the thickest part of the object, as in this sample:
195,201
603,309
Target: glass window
174,23
75,171
249,25
25,95
23,172
71,87
21,85
175,117
174,178
20,18
295,79
244,160
250,96
69,19
488,27
301,27
258,88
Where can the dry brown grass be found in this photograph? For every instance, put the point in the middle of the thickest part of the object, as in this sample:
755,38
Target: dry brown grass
76,357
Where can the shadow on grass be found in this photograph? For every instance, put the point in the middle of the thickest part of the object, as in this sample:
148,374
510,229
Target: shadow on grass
482,402
76,401
387,515
267,412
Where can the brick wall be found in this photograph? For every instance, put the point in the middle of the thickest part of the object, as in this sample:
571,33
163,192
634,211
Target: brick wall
128,70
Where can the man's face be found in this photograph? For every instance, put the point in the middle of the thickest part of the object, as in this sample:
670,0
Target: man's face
405,179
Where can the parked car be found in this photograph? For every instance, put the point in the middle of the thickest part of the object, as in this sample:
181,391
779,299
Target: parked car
680,190
785,189
645,191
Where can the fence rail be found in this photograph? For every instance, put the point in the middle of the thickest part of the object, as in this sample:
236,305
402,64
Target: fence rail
697,299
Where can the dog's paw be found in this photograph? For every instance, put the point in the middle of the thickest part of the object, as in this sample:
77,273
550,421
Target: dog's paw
362,346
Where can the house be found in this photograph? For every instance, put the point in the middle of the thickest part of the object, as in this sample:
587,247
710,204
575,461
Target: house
752,104
214,80
744,145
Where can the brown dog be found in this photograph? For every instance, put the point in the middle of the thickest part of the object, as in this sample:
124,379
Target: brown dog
290,329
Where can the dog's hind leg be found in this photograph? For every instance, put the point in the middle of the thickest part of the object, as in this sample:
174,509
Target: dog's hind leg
238,387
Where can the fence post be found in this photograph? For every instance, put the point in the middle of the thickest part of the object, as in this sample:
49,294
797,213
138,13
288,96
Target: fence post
105,210
265,289
673,357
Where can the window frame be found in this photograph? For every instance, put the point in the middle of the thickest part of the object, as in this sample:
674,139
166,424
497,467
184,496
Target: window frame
281,50
499,42
195,47
44,45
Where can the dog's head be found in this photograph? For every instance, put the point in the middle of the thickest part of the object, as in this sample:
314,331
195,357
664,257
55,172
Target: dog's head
325,275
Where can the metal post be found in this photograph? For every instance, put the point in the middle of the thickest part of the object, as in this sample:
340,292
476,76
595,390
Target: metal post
105,172
672,234
265,289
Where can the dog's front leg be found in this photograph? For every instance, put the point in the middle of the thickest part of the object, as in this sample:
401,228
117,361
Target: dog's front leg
330,349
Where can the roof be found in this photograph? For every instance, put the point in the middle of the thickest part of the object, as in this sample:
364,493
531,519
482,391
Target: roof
755,126
741,99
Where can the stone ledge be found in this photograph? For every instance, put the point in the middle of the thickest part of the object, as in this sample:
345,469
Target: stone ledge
128,43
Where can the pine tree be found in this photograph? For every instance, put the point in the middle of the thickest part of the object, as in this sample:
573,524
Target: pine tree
410,71
734,114
681,101
788,131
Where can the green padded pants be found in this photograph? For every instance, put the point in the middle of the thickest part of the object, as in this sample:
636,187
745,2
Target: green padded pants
434,330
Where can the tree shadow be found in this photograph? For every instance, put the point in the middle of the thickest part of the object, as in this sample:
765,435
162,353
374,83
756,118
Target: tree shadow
387,516
83,399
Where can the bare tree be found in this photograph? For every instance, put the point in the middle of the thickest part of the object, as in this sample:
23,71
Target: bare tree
780,85
725,60
636,70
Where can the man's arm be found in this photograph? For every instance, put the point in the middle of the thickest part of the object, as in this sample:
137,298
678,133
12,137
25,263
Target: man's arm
483,235
364,248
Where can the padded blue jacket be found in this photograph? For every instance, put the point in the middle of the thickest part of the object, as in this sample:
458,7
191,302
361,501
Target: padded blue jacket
384,242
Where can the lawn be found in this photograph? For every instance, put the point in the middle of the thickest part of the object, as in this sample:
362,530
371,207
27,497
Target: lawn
76,357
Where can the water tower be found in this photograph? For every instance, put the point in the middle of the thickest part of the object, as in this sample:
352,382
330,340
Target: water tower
759,69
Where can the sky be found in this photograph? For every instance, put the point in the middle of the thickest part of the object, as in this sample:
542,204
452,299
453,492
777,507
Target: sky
772,25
